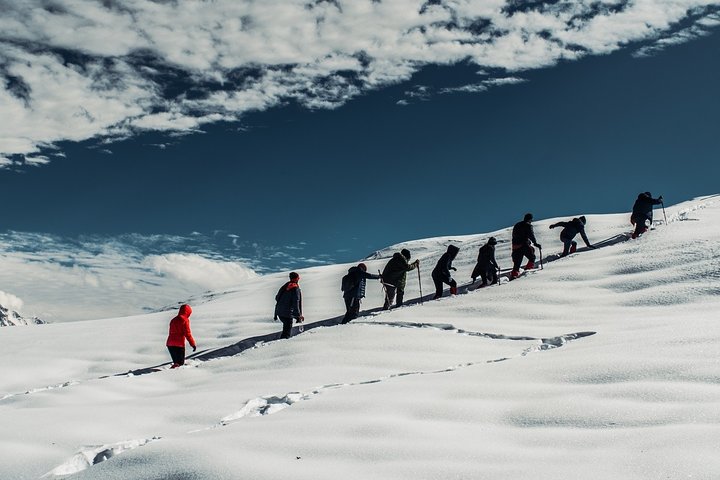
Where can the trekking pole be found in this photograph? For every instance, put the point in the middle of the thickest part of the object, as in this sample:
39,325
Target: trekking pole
541,264
387,297
420,284
663,207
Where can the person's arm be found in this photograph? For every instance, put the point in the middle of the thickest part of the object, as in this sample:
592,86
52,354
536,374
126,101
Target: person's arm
585,239
189,335
413,265
657,201
559,224
531,236
298,305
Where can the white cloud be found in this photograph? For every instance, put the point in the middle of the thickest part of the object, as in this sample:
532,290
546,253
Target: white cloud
80,70
10,301
198,270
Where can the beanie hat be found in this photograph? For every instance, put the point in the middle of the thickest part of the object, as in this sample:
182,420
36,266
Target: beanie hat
528,217
582,219
294,275
492,241
405,253
362,267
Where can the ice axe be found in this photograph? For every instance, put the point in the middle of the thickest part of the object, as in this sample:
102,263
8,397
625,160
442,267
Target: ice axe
420,283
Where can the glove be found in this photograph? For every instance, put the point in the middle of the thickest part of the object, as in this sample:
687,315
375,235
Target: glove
194,348
552,226
453,269
660,198
417,263
539,246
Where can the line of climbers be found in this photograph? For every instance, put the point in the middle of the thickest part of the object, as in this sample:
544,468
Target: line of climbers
288,300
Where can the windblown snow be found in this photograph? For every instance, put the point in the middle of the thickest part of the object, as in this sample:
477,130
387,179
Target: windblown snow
603,364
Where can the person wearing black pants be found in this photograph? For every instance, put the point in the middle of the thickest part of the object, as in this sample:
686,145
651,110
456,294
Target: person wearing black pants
642,213
288,305
354,284
486,267
570,229
523,238
441,273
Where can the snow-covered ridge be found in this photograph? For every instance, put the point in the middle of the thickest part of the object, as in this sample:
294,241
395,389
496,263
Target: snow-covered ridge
11,318
603,362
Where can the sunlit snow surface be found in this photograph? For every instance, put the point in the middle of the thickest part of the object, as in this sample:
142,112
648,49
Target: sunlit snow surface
505,382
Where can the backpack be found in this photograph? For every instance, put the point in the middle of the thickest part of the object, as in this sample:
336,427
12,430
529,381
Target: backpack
348,282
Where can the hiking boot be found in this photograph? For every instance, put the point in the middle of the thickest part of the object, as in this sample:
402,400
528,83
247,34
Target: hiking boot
453,290
514,274
530,266
175,365
573,247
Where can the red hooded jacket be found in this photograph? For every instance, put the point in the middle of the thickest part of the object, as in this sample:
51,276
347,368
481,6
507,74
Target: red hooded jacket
180,329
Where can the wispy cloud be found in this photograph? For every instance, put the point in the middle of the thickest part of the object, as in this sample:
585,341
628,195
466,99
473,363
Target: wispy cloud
105,69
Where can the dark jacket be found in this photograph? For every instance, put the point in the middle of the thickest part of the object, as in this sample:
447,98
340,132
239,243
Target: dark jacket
289,301
359,279
523,234
570,229
486,256
442,269
643,207
395,272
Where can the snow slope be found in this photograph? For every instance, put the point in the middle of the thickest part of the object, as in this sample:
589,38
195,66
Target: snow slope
605,364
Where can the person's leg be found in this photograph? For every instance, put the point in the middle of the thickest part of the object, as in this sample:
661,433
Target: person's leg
640,227
355,309
178,356
483,274
389,295
492,274
438,287
517,257
400,297
287,327
567,243
530,254
348,309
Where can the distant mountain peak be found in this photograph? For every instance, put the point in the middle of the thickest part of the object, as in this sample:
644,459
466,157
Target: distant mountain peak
11,318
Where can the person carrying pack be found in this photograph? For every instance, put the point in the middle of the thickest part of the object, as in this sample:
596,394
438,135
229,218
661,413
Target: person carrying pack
394,277
570,229
288,305
642,212
486,267
523,238
353,288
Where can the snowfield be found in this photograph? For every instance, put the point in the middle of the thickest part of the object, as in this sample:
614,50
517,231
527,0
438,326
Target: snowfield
603,365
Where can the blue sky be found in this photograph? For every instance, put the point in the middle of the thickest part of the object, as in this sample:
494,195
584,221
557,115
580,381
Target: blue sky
466,116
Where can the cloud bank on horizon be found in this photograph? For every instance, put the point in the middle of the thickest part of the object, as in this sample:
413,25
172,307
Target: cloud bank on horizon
107,70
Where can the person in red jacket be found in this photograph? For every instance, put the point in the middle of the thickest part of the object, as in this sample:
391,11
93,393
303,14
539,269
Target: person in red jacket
179,331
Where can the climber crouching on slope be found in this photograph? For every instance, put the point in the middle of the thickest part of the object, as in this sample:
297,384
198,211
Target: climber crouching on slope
179,331
642,212
570,229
